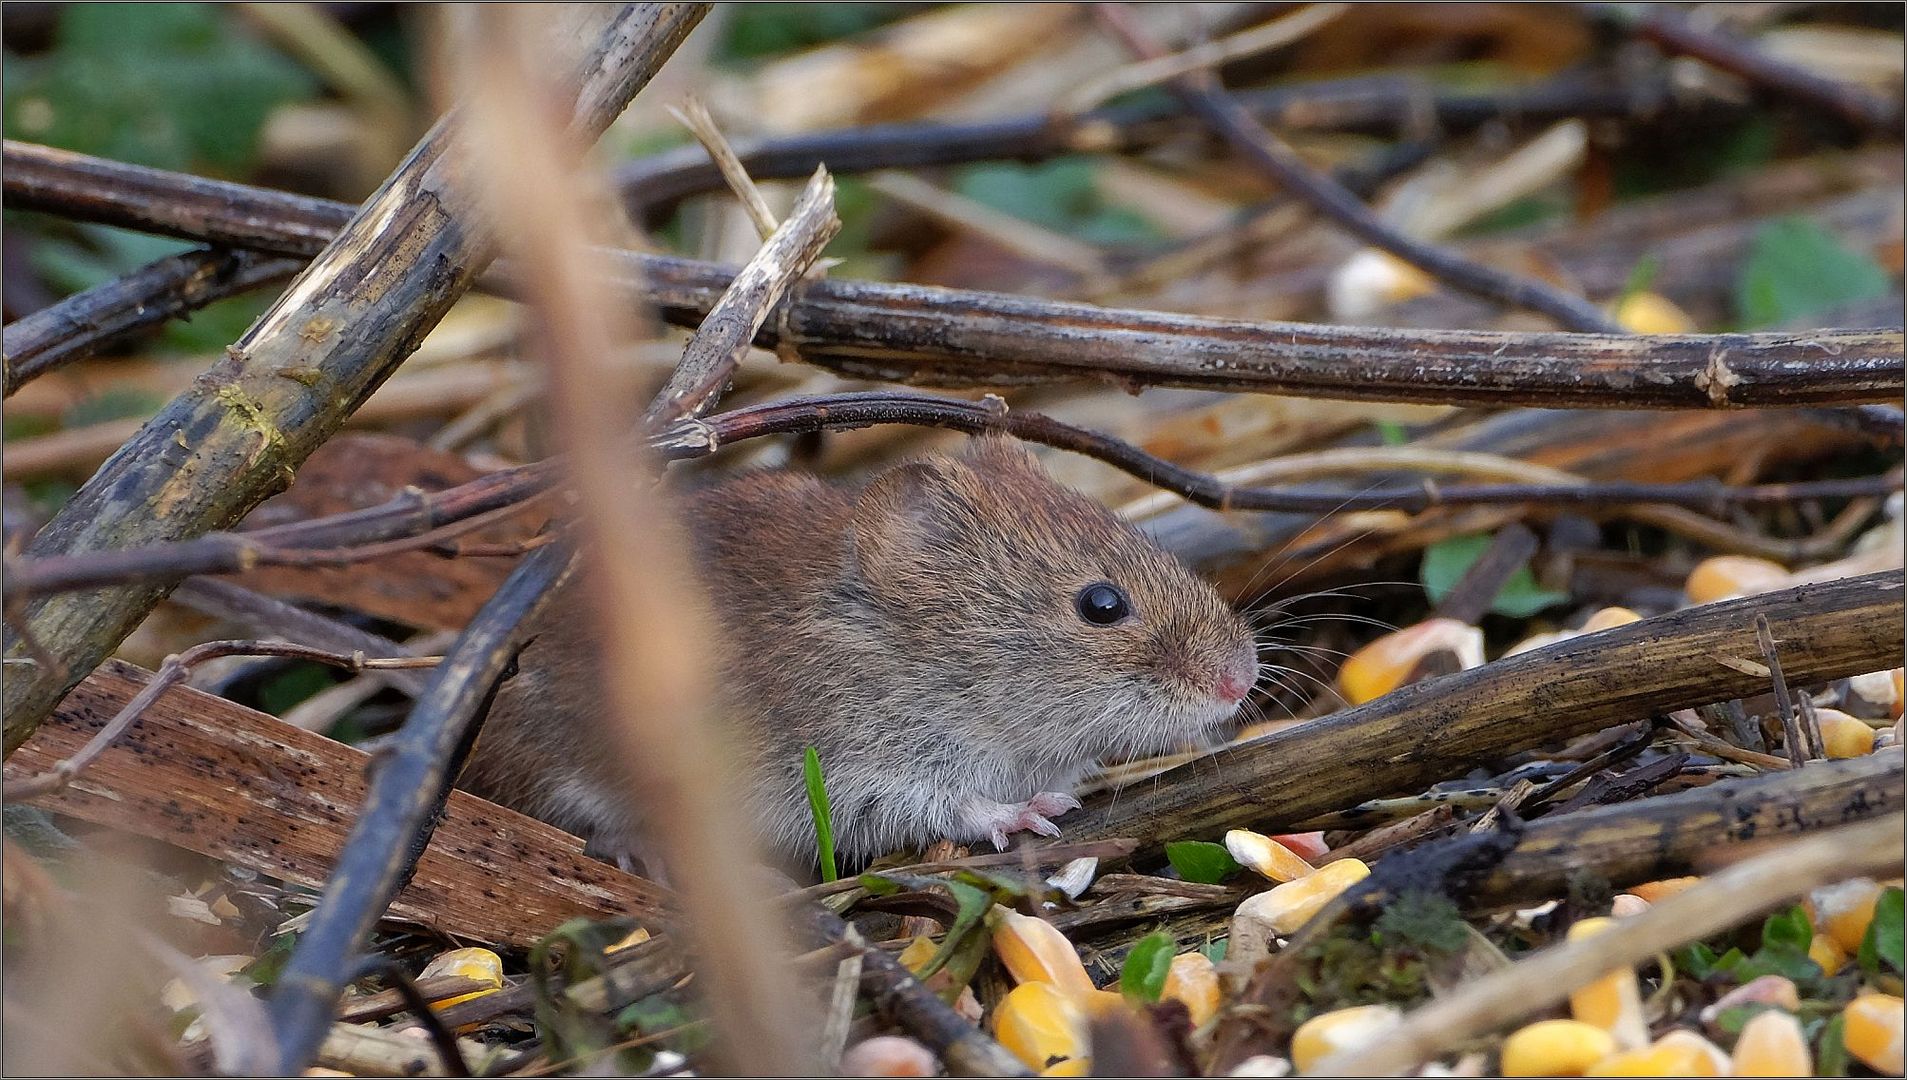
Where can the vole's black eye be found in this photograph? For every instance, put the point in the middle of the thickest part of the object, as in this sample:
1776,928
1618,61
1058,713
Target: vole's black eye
1102,604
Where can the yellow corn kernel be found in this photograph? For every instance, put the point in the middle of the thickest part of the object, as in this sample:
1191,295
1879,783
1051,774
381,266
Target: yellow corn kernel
888,1055
1842,735
1873,1033
1193,982
1034,951
1679,1053
1038,1024
1900,696
1657,891
481,964
1340,1030
1772,1044
1372,280
1652,313
1261,854
1384,664
1080,1066
1614,1001
629,941
1289,906
1555,1048
917,953
1725,576
1842,911
1823,951
1609,618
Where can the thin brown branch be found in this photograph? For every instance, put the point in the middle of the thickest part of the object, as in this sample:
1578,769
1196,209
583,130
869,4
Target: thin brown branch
1272,156
86,322
1797,747
1677,34
951,337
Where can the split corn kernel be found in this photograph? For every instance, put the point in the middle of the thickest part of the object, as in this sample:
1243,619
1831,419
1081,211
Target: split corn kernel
479,964
1384,664
1878,688
1340,1030
1678,1053
1033,950
1555,1048
888,1055
1842,911
1823,951
1626,905
1609,618
1657,891
1873,1032
1772,1044
1309,846
1726,576
1774,990
1652,313
1614,1001
1192,981
1289,906
629,941
1842,735
1260,854
1038,1024
1372,280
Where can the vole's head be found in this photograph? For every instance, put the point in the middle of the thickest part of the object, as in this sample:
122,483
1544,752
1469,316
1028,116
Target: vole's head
1063,629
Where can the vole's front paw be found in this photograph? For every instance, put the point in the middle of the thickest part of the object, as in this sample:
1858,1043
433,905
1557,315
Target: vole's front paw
997,820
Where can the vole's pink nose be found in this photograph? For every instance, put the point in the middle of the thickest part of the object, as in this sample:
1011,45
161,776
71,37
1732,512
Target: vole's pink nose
1237,680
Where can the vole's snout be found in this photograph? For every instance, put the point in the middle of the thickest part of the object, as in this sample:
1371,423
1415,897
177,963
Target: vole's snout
1237,678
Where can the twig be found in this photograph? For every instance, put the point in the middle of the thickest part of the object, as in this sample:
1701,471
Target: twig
438,1033
1797,746
695,116
1725,899
170,673
1675,33
413,520
1205,56
82,324
1271,155
1573,687
414,776
268,615
951,337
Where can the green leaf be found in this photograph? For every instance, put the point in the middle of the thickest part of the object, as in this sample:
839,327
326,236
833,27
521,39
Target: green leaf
1795,269
296,683
176,86
823,817
1830,1052
1446,561
1425,920
1392,433
1788,929
1062,195
1697,959
1885,939
1142,978
973,903
1215,949
1202,862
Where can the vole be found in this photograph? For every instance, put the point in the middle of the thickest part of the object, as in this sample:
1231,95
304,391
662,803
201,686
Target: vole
960,638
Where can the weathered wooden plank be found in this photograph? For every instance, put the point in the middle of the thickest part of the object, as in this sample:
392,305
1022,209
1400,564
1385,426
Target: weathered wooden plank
217,778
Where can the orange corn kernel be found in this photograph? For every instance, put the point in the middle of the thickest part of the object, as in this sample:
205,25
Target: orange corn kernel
1340,1030
1038,1024
1384,664
1555,1048
1772,1044
1262,855
1652,313
1609,618
1614,1001
1726,576
1823,951
1873,1032
1193,982
1034,951
1842,735
1678,1053
1842,911
1657,891
1289,906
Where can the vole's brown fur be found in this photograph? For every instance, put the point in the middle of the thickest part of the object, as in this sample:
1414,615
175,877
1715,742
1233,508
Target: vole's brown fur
922,632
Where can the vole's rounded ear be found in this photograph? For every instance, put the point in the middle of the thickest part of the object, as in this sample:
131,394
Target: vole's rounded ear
1000,450
905,513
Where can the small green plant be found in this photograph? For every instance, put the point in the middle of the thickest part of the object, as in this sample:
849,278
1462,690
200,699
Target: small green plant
1446,561
1142,978
823,817
1200,861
